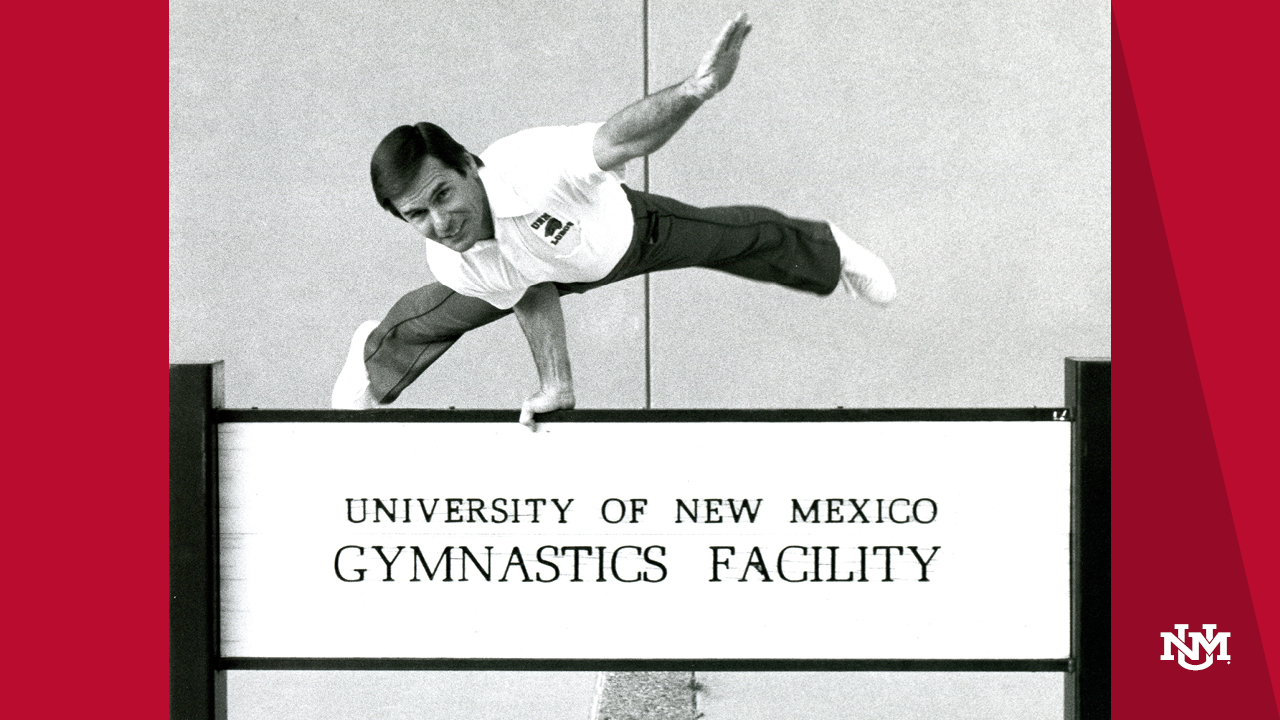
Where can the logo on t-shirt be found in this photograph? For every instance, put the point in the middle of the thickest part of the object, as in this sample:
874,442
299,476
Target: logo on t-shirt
553,229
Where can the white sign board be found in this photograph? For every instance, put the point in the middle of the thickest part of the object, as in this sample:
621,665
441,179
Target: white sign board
940,540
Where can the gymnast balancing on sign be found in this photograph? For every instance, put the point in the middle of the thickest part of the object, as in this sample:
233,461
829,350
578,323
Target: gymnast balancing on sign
541,213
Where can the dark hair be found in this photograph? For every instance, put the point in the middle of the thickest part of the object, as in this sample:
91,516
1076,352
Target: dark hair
400,155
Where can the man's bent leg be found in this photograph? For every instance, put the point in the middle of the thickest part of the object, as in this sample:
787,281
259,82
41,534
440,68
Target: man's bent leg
417,330
351,391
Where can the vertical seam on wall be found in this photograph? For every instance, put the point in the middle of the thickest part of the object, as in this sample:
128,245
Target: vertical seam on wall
648,346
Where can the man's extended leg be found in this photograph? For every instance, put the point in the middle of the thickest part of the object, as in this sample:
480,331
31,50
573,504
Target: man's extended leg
748,241
417,330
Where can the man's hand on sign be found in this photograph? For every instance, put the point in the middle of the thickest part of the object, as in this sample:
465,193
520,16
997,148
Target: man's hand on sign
543,402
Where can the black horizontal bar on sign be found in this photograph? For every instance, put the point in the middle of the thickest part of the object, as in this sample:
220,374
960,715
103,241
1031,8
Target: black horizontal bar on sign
579,665
651,416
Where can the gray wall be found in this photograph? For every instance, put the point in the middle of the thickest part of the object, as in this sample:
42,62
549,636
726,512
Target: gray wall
967,143
377,695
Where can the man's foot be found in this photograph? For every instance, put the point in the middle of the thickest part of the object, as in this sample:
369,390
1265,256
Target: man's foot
351,391
862,272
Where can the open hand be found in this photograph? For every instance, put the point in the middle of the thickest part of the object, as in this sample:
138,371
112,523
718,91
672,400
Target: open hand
543,402
718,65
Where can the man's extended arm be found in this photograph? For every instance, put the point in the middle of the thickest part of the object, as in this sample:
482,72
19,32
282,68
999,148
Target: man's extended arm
635,131
542,321
646,125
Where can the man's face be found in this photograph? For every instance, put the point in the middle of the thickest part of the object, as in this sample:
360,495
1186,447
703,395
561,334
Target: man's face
446,206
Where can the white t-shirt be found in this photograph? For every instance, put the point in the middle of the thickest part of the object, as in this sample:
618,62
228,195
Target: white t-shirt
557,217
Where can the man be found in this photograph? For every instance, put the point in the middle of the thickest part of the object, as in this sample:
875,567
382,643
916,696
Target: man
541,213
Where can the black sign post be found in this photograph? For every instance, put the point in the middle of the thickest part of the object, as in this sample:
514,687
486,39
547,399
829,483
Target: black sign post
1088,691
197,683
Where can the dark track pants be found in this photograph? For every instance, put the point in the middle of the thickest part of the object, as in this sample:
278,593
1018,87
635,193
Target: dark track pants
752,242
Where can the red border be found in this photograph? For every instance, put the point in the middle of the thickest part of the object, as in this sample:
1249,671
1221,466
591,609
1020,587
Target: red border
86,524
1194,317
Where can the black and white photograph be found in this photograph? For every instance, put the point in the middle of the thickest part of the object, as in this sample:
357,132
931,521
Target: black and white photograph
640,360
